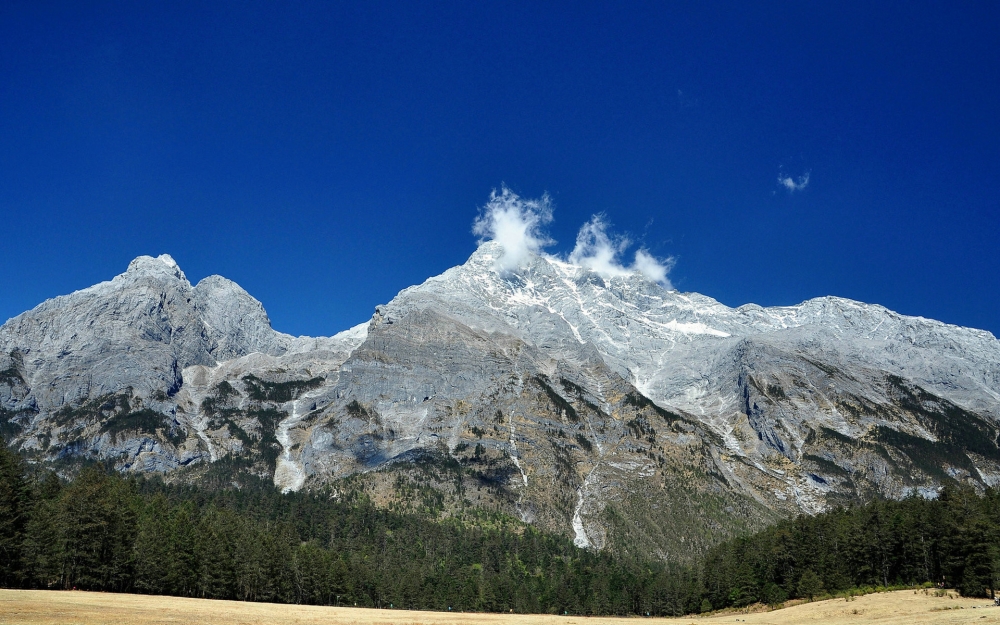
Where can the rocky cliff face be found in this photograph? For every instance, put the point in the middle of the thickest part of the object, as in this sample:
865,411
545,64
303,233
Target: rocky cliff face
623,414
99,372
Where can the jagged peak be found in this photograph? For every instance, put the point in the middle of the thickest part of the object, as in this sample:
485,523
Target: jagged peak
216,282
218,293
484,260
162,265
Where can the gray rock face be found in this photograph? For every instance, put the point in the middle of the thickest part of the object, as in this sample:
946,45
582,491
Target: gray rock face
587,405
768,382
793,408
235,323
128,338
139,330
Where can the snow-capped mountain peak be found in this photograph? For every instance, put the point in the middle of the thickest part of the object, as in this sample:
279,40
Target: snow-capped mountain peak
560,389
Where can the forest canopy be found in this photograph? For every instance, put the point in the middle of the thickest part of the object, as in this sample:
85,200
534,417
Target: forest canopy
103,531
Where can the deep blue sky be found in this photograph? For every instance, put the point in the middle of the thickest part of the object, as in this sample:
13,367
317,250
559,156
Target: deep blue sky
327,155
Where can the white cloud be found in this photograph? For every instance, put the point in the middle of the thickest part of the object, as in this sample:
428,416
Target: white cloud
598,251
516,224
653,268
792,184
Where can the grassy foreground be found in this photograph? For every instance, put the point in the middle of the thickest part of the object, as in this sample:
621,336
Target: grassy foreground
46,607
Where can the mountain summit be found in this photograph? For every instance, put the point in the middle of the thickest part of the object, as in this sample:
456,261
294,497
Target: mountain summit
608,407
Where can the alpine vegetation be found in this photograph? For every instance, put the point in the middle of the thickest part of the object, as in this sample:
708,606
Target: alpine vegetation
101,531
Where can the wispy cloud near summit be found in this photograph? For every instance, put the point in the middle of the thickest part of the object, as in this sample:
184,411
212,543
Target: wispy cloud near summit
597,250
517,224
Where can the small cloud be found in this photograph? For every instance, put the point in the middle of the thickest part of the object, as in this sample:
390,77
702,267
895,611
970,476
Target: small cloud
792,184
596,250
600,252
516,224
653,268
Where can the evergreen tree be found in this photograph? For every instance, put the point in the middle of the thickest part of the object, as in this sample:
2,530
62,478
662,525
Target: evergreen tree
103,532
979,550
810,585
15,502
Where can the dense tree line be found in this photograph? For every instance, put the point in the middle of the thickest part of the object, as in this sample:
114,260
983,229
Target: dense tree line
951,540
102,531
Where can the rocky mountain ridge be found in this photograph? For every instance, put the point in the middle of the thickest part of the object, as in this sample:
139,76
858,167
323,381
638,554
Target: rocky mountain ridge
609,408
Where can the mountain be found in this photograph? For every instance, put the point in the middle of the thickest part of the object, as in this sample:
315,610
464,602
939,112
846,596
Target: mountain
626,415
98,372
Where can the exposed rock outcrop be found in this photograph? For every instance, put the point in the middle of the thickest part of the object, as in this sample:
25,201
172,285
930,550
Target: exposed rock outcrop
616,411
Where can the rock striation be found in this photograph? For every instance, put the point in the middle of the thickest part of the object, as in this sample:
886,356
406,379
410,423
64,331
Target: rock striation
119,349
621,413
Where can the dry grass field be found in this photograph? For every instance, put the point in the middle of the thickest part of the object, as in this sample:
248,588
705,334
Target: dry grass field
43,607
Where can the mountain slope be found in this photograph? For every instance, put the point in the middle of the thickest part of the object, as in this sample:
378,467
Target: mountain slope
611,409
86,371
